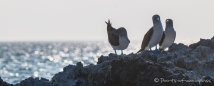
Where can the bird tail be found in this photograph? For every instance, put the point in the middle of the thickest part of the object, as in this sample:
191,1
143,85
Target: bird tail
140,50
109,27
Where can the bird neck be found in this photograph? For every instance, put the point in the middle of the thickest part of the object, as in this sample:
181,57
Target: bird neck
110,28
156,23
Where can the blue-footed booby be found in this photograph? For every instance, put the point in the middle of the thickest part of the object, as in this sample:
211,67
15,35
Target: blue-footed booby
168,35
153,36
118,38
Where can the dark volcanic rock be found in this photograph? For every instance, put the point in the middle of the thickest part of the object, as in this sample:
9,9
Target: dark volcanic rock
112,70
109,58
2,83
178,47
203,42
212,38
167,68
71,75
35,82
203,51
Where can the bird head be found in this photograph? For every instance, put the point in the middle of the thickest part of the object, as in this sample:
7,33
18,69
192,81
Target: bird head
156,18
169,22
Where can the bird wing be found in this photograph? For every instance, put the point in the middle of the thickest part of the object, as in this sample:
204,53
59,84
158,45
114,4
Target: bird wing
175,37
113,37
163,36
146,38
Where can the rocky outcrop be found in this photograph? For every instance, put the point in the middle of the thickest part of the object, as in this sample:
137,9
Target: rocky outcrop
35,82
2,83
181,65
203,42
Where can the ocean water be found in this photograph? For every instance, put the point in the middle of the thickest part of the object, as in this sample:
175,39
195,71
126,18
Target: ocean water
20,60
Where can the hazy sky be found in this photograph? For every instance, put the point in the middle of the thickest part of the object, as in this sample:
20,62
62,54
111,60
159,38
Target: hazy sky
67,20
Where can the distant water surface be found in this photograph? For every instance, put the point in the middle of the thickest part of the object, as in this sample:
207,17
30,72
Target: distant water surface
20,60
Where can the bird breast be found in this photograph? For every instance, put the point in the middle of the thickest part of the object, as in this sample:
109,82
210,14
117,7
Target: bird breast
123,41
157,34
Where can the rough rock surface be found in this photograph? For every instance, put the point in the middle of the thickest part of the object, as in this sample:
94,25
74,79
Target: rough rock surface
35,82
2,83
212,38
203,42
191,65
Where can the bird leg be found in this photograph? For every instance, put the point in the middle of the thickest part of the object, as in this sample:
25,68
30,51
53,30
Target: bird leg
156,50
150,49
121,52
115,52
156,47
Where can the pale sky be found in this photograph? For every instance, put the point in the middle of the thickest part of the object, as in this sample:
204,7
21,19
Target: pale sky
69,20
